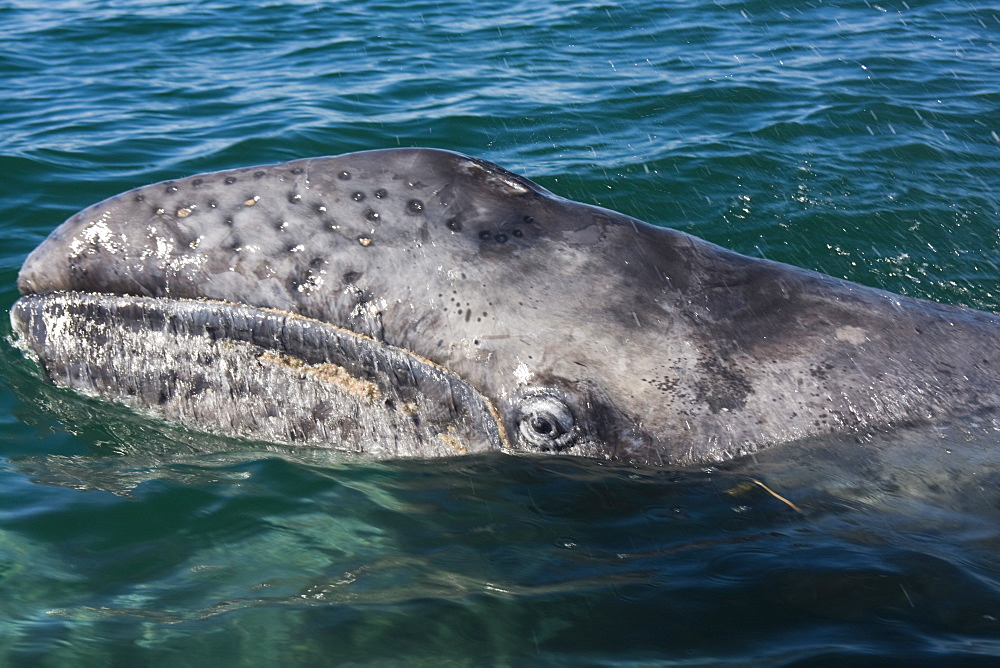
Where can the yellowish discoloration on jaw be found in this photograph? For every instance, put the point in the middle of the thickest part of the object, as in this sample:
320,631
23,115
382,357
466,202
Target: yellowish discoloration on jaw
494,413
451,440
329,373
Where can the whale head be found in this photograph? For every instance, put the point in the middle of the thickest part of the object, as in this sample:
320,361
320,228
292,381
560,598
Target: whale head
423,302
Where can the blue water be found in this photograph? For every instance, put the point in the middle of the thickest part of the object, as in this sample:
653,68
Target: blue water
860,139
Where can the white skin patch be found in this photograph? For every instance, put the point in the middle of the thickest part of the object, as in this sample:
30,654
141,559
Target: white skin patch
850,334
514,186
164,252
313,281
97,235
370,309
522,374
163,248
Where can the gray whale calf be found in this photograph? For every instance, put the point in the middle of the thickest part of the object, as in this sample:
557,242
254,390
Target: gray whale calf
419,302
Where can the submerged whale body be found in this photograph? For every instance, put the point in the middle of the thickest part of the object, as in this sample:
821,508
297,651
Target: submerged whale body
419,302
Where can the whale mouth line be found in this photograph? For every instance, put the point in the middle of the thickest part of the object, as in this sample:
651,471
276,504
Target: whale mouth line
258,373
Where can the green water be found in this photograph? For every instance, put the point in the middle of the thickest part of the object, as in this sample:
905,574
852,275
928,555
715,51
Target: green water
860,139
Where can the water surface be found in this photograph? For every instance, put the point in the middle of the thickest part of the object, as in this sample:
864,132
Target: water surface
855,138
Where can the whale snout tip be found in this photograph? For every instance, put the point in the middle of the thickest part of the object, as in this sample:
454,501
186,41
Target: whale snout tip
41,271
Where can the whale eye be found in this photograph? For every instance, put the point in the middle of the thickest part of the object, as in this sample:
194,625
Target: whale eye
546,423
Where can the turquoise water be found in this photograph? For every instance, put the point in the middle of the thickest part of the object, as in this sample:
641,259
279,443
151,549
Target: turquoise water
860,139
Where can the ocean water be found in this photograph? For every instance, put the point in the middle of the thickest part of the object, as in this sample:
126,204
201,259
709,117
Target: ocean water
858,138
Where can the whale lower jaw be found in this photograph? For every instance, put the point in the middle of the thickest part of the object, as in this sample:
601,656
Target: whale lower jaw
255,373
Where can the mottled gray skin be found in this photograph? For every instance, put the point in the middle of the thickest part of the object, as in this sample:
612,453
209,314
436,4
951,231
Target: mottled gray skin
588,332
